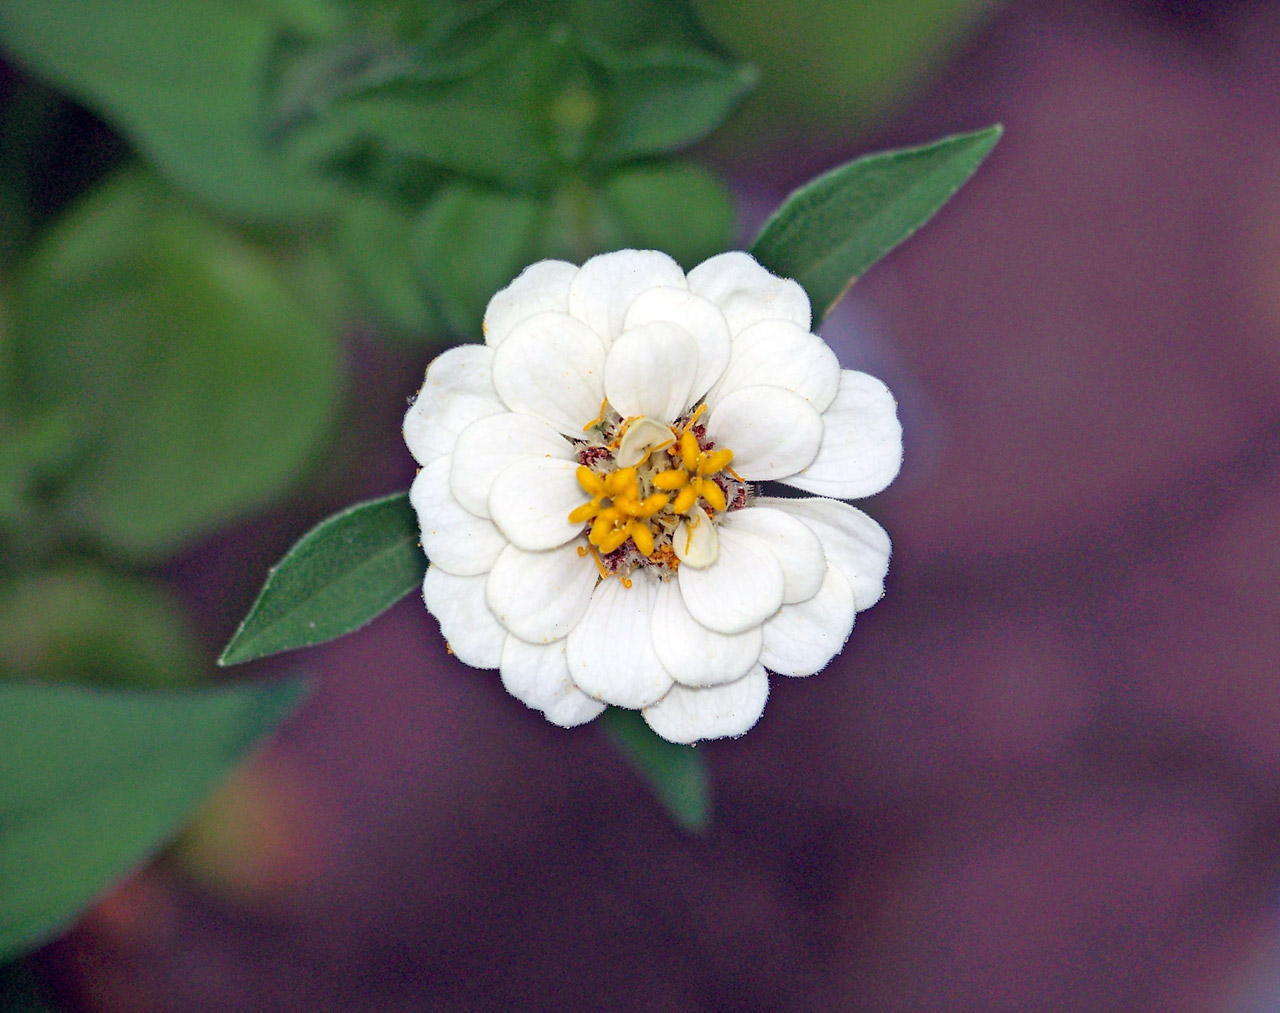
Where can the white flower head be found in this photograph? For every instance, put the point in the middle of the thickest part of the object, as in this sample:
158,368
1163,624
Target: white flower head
588,494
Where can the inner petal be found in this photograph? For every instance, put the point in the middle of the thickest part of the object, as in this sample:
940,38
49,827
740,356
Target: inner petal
741,589
650,371
490,444
693,654
531,499
611,656
540,596
608,283
780,354
700,317
643,437
551,366
774,433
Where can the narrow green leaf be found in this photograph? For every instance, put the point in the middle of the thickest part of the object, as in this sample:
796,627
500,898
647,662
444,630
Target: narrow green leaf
831,230
677,775
92,782
344,572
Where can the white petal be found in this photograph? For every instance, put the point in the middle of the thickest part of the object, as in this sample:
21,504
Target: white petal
605,287
552,367
861,449
798,549
693,654
453,538
741,589
457,390
531,501
700,317
644,436
801,639
540,596
469,628
690,715
780,354
611,655
772,432
490,444
851,540
746,293
538,676
696,541
649,371
540,287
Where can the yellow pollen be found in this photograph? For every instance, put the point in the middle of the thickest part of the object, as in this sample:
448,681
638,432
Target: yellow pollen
599,419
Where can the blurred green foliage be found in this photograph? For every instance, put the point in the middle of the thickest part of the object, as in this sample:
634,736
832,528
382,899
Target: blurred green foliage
78,621
169,341
219,381
835,66
94,781
169,345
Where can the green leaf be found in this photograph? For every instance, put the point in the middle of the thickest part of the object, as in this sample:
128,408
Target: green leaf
344,572
88,624
484,121
469,243
205,383
827,67
93,782
677,775
658,100
34,450
630,24
183,81
675,207
831,230
372,241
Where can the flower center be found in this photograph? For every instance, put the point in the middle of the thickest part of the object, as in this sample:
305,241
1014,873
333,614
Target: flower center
654,491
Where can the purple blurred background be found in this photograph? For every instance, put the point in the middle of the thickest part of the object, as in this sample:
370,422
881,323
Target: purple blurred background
1045,774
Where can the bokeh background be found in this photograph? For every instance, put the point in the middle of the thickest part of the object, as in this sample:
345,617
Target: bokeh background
1045,773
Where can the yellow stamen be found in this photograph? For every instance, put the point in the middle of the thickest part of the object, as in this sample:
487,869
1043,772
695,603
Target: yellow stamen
614,539
601,527
620,482
689,450
715,461
652,504
584,513
697,414
670,480
643,537
590,481
599,419
714,496
685,501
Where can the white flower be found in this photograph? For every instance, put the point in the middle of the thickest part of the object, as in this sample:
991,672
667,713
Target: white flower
587,496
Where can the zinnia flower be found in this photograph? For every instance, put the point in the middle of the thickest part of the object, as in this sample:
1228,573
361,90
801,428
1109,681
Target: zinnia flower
589,496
